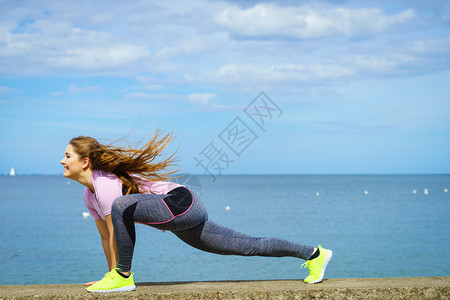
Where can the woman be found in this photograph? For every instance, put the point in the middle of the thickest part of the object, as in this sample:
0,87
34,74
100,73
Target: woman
125,186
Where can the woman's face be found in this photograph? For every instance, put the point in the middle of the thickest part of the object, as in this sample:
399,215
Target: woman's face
73,165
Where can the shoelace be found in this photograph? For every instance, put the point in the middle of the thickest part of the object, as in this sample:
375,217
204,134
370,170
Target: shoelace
108,275
306,265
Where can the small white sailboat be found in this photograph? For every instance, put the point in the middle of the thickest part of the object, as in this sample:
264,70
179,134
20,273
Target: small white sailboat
12,172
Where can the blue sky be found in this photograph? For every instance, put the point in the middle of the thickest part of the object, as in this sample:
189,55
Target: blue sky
361,87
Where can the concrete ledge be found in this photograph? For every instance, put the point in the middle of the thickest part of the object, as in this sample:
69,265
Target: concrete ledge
376,288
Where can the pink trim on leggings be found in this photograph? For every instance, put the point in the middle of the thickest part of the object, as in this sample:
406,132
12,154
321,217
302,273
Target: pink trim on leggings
173,216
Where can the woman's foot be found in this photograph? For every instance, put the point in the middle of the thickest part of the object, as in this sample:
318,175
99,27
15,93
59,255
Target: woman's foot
318,265
113,282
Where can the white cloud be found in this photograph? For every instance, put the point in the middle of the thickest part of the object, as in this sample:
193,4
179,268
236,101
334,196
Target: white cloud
150,83
75,89
154,87
143,95
180,43
57,46
99,37
196,101
200,99
6,90
353,126
403,58
260,76
104,57
187,47
272,21
411,57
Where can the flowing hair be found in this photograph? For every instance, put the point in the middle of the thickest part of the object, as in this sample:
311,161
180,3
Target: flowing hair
130,165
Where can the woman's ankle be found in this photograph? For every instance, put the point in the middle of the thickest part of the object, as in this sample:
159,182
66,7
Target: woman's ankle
125,274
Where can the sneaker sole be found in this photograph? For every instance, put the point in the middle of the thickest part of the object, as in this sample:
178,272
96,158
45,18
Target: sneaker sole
325,263
121,289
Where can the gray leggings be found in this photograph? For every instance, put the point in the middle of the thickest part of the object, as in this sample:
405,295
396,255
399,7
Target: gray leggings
193,227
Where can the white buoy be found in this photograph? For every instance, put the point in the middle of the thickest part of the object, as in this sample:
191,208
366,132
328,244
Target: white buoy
317,194
68,182
85,214
227,207
414,191
425,191
445,190
366,192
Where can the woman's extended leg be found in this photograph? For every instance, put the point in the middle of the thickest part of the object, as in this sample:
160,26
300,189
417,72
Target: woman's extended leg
215,238
212,237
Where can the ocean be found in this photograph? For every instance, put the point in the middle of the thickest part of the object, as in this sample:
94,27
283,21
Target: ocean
376,225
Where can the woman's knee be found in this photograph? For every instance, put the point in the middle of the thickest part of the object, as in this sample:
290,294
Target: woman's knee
119,205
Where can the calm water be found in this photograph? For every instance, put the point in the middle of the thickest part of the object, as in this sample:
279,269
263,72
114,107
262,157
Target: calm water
387,232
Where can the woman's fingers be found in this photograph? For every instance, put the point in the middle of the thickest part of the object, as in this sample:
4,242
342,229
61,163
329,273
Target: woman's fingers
90,283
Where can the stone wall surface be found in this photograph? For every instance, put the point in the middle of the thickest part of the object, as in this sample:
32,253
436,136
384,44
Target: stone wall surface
352,288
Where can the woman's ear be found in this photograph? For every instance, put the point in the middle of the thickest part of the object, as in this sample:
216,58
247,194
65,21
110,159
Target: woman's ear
85,163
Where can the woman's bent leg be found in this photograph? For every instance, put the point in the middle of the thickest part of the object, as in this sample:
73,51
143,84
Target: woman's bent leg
215,238
153,210
127,210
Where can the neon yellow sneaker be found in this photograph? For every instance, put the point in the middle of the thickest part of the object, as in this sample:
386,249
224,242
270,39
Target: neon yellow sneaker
318,265
113,282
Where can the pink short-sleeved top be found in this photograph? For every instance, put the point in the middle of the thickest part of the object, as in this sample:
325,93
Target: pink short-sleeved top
108,187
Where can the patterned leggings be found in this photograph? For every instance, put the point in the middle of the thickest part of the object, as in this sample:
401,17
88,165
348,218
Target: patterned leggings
187,218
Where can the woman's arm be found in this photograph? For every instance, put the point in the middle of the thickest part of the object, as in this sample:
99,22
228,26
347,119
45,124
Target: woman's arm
106,230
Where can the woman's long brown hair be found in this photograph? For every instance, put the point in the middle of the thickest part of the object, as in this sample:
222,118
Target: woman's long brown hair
128,163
